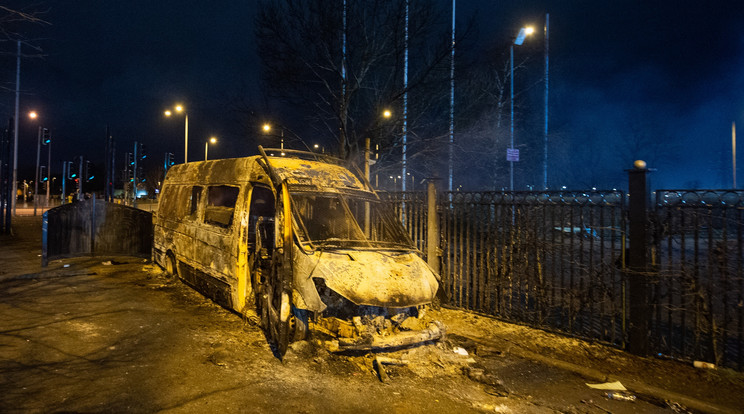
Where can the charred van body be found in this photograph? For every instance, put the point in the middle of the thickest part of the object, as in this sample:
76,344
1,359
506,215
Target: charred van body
304,242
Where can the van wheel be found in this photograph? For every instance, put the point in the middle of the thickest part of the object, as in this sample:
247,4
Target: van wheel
171,269
275,310
298,324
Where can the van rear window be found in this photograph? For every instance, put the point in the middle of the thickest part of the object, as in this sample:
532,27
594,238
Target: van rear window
221,201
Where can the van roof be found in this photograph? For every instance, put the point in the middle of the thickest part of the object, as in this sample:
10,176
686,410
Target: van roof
301,172
298,173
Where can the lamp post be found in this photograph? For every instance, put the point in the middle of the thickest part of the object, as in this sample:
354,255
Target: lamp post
180,109
368,162
267,128
512,155
545,130
36,181
211,140
48,141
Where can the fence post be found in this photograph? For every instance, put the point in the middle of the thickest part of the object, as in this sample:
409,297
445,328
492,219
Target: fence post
638,232
432,226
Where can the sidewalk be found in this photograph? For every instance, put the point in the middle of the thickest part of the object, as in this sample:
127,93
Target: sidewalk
651,379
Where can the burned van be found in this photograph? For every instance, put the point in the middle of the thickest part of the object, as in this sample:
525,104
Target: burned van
303,242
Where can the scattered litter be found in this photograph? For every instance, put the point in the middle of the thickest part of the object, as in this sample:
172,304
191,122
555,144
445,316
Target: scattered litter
677,407
491,408
391,361
494,385
460,351
610,386
593,404
381,373
67,265
219,358
112,262
704,365
620,396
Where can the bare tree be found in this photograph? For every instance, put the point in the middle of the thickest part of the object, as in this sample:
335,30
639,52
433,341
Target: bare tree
341,63
12,21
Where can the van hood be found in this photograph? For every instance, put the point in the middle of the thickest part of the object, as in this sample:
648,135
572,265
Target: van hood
384,279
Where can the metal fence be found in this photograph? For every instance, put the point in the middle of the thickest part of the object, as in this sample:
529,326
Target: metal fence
698,275
557,261
550,259
95,227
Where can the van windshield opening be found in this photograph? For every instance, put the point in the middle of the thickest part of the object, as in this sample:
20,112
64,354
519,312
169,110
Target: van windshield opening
341,221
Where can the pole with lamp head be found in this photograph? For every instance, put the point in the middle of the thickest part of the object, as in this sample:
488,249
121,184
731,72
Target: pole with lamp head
513,155
212,140
180,109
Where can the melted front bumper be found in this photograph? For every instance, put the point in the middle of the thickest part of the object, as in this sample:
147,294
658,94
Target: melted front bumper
376,341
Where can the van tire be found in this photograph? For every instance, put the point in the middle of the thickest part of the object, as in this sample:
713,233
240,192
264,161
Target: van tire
171,267
298,324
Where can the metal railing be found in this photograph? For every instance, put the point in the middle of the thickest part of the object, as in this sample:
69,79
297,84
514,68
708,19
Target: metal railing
698,275
557,261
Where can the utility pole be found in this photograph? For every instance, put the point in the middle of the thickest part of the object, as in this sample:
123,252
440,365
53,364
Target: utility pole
80,180
405,107
733,150
65,173
452,102
14,196
36,182
49,172
545,131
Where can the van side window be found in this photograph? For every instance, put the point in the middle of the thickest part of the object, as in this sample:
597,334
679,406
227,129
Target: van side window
195,198
170,205
220,205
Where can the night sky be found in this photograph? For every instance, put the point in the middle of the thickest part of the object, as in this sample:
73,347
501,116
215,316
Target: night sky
672,71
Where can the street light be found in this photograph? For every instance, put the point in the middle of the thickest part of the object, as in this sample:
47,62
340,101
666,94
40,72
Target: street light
211,140
48,141
511,154
180,109
33,115
267,128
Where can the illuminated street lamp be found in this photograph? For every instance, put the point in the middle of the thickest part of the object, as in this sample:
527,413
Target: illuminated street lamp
211,140
267,128
511,154
33,115
180,109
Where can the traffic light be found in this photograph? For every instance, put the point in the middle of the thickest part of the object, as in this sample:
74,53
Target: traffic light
89,171
142,151
46,136
169,162
71,173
